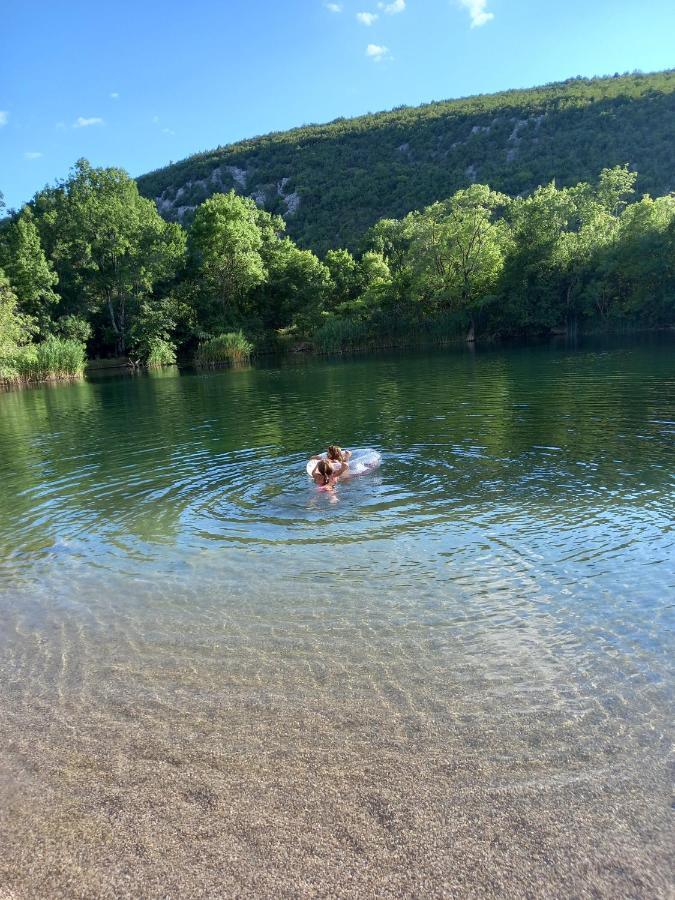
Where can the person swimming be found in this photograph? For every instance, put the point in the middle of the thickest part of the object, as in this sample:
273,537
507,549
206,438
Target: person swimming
337,454
323,475
339,459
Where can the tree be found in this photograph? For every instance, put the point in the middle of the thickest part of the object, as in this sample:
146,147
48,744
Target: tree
111,245
614,188
372,269
592,228
634,276
391,239
531,280
29,270
15,329
225,244
344,275
152,332
73,328
297,288
458,248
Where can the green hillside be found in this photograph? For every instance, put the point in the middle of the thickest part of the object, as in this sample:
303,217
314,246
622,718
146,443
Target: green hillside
331,182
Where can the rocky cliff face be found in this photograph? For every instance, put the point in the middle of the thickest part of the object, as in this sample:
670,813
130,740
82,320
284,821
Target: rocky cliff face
179,203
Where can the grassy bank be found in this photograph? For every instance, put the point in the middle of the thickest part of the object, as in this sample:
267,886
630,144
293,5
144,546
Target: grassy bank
56,359
338,335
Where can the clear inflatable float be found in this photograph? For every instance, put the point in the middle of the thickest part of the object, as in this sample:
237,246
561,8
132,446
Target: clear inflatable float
361,462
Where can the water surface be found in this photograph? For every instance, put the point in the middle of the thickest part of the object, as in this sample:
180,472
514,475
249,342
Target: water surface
453,680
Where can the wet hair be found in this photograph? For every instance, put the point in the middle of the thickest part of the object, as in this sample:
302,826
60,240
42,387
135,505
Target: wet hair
335,453
324,467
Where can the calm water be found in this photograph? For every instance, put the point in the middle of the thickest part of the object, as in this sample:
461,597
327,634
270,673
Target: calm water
452,680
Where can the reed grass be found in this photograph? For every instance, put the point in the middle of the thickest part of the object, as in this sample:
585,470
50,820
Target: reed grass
346,335
340,335
52,360
231,348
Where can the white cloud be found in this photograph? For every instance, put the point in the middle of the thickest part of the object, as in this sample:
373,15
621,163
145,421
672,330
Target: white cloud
155,120
477,12
32,154
114,95
81,122
334,7
396,6
377,52
168,131
4,115
367,18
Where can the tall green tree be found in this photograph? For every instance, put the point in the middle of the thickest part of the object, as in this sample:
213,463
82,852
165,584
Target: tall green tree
634,275
531,298
344,274
225,243
372,269
15,329
592,228
391,238
459,247
29,270
111,245
298,287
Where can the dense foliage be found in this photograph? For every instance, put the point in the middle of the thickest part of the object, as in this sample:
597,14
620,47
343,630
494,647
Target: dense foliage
332,182
92,262
22,359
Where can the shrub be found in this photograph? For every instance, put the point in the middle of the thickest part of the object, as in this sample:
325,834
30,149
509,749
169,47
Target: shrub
341,335
160,353
151,333
54,358
224,349
338,335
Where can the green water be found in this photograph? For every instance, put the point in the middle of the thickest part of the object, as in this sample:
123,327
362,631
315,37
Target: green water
451,676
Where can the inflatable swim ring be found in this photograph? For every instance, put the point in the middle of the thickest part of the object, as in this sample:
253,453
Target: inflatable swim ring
362,461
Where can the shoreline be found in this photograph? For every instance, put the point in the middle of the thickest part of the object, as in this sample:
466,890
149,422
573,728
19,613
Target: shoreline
305,350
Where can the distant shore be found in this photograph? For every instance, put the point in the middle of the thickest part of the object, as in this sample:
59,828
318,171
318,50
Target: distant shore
306,348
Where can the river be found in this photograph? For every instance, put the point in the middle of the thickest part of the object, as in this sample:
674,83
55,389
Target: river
451,678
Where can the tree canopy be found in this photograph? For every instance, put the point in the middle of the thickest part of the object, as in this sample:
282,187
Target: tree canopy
90,260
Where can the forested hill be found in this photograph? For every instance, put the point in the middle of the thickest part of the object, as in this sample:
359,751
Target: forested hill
331,182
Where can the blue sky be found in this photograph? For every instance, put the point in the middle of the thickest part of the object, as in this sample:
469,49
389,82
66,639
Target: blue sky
137,84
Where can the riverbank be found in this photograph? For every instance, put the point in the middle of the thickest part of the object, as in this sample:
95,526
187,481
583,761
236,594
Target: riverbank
477,266
55,359
219,354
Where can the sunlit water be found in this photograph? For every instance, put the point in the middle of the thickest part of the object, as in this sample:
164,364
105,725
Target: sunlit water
451,678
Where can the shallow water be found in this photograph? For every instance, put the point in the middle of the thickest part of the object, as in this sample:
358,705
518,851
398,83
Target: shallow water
450,679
